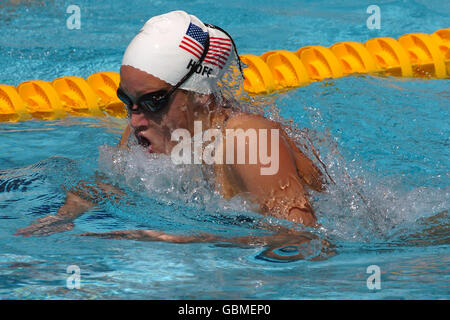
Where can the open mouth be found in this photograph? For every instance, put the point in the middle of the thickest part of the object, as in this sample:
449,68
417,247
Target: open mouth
146,143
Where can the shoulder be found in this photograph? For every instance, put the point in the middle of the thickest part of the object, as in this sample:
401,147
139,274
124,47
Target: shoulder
243,120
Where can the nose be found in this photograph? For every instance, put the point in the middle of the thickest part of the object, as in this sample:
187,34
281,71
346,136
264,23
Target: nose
138,119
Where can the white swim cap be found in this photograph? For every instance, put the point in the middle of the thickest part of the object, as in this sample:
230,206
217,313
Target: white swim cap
168,45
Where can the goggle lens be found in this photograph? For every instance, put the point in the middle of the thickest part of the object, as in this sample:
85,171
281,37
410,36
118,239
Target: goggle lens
150,102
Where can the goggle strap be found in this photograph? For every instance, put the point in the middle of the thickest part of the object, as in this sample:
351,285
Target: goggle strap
193,68
234,45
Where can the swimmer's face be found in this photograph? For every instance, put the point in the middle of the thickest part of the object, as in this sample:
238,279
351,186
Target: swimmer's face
153,130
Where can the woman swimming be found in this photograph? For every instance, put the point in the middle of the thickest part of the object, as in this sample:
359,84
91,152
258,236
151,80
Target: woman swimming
168,83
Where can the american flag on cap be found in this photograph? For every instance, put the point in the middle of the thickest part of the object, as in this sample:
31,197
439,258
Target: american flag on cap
194,42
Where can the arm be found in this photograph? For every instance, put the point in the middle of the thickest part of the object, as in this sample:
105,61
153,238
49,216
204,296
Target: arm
281,194
78,201
298,242
73,207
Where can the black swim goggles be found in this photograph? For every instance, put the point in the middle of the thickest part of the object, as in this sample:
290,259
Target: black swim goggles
153,102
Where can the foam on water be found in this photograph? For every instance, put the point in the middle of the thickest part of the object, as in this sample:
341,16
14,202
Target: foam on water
357,206
153,180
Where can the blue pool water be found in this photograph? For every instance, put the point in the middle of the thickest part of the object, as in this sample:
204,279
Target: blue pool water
384,141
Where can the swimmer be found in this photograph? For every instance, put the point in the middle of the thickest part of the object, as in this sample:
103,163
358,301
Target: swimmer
168,81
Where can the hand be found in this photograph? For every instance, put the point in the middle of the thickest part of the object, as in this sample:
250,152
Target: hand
46,226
